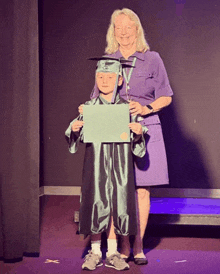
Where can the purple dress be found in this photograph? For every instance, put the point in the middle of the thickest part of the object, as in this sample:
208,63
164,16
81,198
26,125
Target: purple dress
148,82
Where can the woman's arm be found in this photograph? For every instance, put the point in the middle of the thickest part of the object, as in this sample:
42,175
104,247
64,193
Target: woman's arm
160,103
162,90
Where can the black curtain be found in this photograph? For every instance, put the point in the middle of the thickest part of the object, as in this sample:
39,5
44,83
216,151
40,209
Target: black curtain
19,125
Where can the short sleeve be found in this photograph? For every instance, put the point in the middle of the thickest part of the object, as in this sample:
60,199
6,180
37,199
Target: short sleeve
161,81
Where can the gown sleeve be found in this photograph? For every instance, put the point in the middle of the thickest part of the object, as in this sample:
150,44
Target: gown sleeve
138,146
161,81
74,138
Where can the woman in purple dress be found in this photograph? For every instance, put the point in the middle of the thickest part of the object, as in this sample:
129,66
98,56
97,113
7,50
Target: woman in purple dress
148,90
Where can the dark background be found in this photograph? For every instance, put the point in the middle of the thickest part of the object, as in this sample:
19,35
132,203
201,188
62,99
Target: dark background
71,31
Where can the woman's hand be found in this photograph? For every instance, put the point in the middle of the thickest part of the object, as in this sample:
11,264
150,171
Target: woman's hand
160,103
136,128
137,109
80,109
77,125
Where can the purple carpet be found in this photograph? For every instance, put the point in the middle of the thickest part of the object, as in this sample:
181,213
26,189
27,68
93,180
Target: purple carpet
167,249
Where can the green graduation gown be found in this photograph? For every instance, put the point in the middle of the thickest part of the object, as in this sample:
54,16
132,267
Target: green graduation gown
108,186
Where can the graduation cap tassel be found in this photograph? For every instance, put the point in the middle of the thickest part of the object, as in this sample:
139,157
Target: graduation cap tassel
115,90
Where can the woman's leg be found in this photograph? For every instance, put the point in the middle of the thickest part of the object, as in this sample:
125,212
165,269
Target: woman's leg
125,246
143,209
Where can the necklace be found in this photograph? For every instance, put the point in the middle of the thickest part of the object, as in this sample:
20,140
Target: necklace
127,78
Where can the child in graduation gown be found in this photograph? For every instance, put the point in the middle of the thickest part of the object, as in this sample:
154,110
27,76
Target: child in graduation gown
108,189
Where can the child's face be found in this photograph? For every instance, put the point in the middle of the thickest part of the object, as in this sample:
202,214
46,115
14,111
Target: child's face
106,82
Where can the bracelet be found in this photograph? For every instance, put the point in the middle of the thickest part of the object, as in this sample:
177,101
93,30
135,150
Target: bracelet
150,108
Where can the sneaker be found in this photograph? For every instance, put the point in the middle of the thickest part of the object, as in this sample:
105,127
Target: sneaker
92,261
117,262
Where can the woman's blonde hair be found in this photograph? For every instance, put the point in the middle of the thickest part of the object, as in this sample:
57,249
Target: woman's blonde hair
112,44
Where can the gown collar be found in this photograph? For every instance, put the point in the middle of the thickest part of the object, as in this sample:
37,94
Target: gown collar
105,102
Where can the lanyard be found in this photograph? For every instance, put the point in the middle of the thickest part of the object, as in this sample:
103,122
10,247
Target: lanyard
127,77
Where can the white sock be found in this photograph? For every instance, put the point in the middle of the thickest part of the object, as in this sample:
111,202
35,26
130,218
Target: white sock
96,247
112,246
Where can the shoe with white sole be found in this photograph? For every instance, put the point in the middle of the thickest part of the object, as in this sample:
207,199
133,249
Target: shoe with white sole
92,261
117,262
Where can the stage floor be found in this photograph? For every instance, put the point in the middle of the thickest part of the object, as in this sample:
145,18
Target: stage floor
173,249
